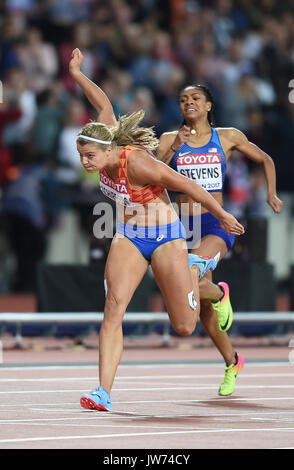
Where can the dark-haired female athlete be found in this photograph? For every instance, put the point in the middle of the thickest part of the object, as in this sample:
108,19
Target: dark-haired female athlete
200,152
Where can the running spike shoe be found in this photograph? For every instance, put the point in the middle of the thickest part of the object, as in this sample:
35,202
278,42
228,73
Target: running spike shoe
231,372
96,399
224,309
204,263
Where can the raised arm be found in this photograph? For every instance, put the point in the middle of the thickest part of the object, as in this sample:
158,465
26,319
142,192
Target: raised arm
143,169
170,142
94,93
250,150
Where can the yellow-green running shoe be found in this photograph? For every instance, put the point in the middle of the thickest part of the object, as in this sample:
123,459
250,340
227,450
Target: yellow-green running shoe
231,372
224,309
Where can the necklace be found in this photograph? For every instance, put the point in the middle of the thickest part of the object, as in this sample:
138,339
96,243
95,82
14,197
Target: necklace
193,132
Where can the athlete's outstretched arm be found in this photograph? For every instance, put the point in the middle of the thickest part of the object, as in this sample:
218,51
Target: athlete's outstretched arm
143,169
242,144
93,92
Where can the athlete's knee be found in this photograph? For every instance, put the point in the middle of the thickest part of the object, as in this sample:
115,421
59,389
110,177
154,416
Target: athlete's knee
185,328
115,307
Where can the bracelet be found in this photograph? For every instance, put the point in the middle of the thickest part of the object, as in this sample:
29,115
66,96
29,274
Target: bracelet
173,149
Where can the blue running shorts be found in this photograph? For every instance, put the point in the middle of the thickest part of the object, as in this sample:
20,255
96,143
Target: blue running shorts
210,225
147,239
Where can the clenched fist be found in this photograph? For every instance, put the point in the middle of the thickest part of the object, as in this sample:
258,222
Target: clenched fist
76,61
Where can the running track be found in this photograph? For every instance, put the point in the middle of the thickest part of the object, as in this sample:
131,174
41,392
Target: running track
163,398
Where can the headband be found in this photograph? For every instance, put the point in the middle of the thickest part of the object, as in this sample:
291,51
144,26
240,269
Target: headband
106,142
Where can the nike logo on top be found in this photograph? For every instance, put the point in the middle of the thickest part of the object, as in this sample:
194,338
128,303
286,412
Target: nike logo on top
183,153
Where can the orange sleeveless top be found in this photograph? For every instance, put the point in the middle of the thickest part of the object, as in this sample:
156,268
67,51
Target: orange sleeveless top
121,190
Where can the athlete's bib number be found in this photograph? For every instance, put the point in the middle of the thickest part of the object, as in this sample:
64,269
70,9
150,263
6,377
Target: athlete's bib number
205,170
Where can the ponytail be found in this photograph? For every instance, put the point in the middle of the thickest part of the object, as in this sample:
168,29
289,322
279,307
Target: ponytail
125,132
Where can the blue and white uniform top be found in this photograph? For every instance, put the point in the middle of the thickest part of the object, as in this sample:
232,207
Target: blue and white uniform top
205,165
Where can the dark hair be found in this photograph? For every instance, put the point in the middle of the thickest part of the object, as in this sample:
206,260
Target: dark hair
208,95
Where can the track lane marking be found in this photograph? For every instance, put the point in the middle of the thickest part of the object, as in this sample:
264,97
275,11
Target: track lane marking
205,387
258,363
133,415
147,377
108,436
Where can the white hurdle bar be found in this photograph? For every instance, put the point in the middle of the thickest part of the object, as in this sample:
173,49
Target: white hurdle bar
132,317
93,318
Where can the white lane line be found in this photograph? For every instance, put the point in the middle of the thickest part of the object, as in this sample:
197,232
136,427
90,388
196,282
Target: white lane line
147,377
117,415
163,433
100,425
114,415
206,401
169,365
199,420
147,427
139,402
223,419
147,389
279,418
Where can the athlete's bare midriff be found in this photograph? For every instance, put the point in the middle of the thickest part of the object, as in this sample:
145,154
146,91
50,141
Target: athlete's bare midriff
158,212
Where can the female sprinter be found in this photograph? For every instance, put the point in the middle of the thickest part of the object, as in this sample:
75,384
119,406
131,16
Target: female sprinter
200,152
149,229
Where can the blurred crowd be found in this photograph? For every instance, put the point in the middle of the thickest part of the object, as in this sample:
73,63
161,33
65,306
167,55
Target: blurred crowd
141,52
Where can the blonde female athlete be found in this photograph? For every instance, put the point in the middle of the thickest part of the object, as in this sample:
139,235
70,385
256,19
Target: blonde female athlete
200,152
149,229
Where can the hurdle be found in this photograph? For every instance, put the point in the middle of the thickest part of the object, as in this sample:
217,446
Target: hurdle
95,318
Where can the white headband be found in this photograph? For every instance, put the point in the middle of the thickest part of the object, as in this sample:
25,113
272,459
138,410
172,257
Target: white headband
106,142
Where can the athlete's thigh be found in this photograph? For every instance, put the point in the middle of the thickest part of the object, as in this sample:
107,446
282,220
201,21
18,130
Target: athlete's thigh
210,245
124,270
172,273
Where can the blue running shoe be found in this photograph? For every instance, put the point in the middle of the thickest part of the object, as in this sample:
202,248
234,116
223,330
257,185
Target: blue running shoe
204,263
97,399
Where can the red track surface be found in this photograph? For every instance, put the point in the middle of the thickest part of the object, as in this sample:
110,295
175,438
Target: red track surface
172,405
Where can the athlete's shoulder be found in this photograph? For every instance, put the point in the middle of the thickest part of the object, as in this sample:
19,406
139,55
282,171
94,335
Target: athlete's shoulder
225,130
165,141
137,155
168,135
229,131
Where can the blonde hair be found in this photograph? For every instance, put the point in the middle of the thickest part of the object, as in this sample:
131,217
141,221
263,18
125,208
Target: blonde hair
125,132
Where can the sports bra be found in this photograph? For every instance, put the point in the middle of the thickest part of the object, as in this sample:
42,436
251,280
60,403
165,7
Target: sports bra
121,191
205,165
